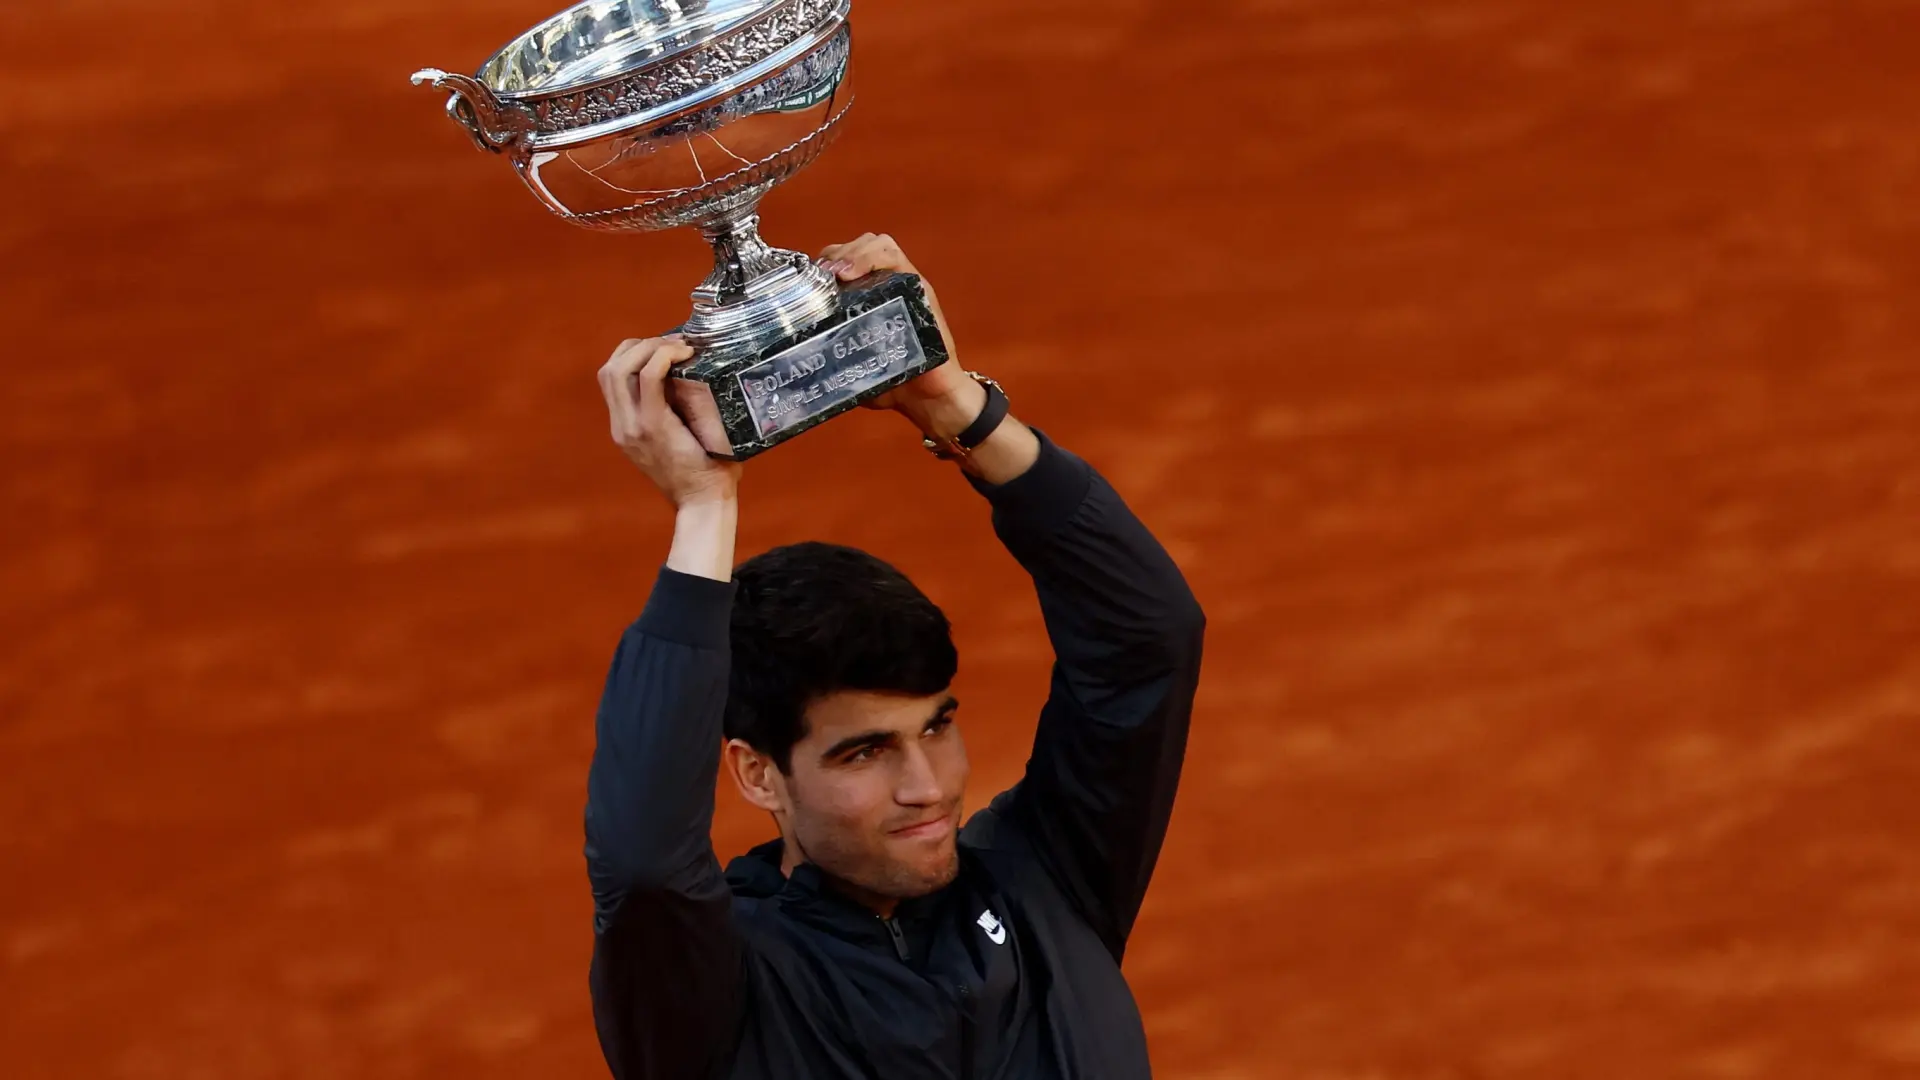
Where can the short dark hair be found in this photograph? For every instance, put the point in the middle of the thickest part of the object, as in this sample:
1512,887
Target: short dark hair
811,619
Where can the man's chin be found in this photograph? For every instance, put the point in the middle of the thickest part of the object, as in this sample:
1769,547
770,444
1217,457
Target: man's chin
926,877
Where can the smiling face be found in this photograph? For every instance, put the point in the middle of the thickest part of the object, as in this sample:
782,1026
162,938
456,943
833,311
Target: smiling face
874,795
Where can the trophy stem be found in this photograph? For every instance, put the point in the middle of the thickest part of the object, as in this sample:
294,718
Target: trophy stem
756,292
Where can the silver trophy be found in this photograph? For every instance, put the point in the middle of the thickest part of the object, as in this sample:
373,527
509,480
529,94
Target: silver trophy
652,114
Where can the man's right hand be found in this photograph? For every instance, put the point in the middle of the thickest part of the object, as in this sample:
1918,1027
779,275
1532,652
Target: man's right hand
657,438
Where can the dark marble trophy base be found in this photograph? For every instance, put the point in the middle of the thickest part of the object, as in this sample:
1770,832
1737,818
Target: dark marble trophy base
882,335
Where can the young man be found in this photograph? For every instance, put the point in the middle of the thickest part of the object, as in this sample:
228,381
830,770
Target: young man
878,937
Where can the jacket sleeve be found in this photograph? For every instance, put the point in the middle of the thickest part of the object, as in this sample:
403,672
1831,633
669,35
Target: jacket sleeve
666,975
1126,632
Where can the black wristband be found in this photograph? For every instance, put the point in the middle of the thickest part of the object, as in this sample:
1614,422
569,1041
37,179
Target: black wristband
983,425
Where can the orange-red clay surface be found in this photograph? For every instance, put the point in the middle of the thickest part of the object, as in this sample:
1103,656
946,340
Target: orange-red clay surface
1531,390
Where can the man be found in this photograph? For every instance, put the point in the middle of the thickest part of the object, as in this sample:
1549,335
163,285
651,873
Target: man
877,937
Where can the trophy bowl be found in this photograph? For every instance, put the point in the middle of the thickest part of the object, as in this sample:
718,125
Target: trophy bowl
656,114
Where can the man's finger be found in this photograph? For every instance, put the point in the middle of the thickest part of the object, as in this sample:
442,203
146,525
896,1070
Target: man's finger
858,256
833,259
694,404
614,378
870,253
652,408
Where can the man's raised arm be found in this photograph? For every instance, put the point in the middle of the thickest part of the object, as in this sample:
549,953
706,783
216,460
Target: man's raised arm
667,975
1126,634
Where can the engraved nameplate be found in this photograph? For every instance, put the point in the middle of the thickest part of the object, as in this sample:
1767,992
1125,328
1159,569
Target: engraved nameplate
819,373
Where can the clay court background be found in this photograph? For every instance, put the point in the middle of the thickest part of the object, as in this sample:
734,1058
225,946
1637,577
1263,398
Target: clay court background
1531,389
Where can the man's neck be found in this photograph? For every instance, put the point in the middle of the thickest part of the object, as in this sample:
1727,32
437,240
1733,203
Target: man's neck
791,857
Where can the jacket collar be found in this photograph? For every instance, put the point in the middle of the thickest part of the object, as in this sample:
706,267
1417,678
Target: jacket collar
808,896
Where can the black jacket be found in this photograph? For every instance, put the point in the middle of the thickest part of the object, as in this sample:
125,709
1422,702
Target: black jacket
1014,969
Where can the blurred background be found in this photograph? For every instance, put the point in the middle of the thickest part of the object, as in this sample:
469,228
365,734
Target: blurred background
1530,389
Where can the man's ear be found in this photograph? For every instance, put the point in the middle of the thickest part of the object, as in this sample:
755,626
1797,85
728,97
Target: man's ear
755,774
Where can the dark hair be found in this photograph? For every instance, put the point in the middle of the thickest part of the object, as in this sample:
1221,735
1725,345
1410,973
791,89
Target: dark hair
811,619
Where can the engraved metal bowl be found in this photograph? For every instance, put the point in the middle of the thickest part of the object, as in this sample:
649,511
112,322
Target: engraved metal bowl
652,114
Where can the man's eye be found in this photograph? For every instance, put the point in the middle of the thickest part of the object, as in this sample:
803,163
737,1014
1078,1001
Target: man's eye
865,753
940,725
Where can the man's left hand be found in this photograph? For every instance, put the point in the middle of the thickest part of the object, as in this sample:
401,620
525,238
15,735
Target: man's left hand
942,402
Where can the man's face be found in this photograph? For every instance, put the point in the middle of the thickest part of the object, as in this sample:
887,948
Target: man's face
874,795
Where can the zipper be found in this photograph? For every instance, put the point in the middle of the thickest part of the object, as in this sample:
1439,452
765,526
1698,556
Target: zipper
899,939
966,1017
966,1033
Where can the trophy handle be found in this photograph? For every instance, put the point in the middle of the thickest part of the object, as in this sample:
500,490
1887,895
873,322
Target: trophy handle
493,124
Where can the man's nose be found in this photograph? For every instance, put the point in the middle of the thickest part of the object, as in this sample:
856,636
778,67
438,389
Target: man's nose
917,784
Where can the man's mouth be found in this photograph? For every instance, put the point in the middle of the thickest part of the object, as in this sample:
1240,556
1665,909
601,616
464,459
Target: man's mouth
926,830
